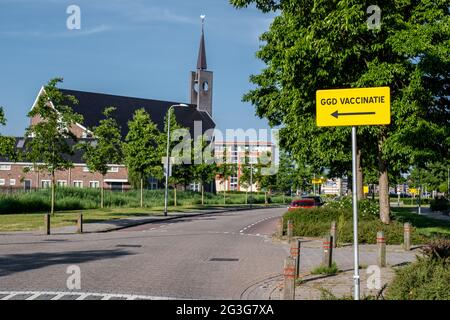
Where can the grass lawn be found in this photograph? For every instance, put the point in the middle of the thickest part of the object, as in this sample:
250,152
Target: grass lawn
35,221
424,225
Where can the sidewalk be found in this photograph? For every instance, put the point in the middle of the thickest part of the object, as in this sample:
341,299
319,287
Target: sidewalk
341,284
117,224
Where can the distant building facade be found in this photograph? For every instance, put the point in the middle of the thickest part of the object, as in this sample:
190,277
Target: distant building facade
236,153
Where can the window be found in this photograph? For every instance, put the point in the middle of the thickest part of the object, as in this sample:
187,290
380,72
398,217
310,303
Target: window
46,184
62,183
2,182
94,184
12,182
5,167
233,183
78,184
113,169
28,168
85,169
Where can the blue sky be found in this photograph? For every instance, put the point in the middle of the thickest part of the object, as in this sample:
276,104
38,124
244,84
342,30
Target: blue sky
140,48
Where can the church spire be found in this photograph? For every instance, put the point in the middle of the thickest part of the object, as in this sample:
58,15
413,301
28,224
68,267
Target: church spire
201,61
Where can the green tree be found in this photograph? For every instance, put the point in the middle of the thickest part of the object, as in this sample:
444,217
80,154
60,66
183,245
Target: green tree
180,149
142,140
6,143
315,45
204,167
52,141
225,170
105,148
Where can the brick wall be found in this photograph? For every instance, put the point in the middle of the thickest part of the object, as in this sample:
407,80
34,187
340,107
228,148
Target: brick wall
70,176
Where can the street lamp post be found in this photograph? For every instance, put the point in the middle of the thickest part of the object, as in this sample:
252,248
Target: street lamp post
167,155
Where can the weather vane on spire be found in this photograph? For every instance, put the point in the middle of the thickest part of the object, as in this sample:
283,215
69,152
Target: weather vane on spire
203,19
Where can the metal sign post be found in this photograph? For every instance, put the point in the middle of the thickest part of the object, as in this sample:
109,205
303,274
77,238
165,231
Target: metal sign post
353,107
355,216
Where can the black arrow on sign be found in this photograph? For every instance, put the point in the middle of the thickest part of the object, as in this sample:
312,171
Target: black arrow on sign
336,114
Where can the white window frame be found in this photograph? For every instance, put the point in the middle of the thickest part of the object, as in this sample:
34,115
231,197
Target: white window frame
2,182
85,169
64,184
49,182
113,169
97,183
5,167
77,184
12,182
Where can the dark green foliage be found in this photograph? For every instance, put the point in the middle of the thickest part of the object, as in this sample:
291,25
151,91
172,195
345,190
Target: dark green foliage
77,199
426,279
440,204
316,223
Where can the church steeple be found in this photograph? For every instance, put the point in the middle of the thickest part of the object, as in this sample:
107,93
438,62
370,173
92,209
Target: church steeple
201,61
202,79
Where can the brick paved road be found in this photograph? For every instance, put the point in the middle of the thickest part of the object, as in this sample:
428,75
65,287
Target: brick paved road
215,256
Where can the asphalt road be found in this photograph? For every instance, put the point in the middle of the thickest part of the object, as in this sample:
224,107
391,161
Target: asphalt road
216,256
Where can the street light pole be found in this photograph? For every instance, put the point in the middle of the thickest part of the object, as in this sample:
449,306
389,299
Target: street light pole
167,156
251,183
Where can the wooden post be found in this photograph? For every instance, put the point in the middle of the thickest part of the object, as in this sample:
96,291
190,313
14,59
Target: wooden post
333,233
80,223
327,258
280,227
290,230
47,224
289,279
381,244
407,236
295,253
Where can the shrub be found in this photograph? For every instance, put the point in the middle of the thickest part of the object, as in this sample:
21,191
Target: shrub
438,249
316,222
426,279
440,204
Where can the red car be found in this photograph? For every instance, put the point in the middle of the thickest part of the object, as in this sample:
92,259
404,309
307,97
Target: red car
302,203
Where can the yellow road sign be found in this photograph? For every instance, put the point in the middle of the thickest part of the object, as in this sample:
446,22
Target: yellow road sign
353,107
318,181
365,189
413,191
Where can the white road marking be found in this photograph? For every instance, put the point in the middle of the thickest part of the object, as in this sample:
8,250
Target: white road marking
82,295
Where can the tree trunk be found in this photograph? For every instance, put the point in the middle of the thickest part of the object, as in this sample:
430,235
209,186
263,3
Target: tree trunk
246,197
102,196
359,176
142,193
203,195
265,198
383,184
52,210
174,195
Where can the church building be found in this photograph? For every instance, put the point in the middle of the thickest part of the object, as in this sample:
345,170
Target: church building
91,106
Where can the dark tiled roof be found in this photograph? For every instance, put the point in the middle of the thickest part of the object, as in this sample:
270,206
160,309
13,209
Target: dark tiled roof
21,145
91,106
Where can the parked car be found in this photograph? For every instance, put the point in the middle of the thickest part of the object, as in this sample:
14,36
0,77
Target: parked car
306,202
317,200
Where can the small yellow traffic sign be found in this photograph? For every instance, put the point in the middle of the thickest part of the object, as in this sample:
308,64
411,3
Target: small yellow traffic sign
353,107
365,189
318,181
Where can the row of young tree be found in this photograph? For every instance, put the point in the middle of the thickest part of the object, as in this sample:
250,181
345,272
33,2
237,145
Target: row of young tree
141,150
312,45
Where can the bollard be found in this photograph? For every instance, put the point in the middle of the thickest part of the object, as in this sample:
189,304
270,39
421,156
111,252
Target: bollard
333,233
295,253
47,224
280,227
381,244
80,223
289,279
327,259
290,230
407,236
